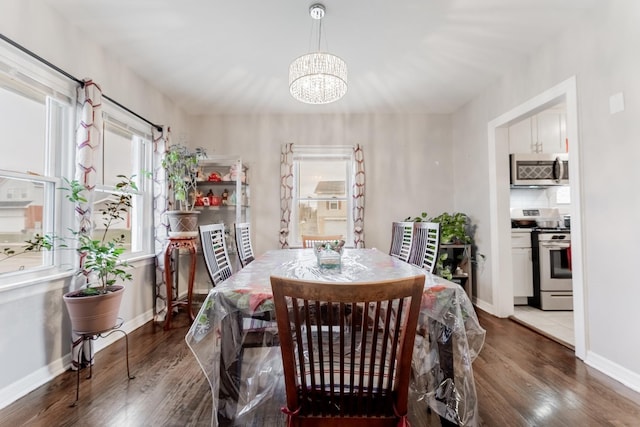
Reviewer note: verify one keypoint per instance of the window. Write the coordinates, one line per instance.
(322, 194)
(35, 124)
(127, 151)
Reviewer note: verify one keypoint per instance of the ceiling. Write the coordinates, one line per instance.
(403, 56)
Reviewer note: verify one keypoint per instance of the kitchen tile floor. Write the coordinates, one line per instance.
(557, 325)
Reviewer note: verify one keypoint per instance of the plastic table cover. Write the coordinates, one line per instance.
(449, 336)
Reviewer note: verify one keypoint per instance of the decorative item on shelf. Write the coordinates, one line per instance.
(214, 177)
(225, 197)
(200, 174)
(329, 254)
(235, 174)
(181, 167)
(206, 201)
(199, 199)
(216, 200)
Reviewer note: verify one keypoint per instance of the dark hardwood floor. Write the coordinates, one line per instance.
(522, 379)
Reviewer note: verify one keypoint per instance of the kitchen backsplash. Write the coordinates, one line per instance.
(552, 197)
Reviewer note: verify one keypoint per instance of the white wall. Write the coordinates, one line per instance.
(602, 54)
(408, 163)
(35, 338)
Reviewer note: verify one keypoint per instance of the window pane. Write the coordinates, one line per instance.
(322, 178)
(23, 124)
(22, 208)
(315, 218)
(118, 227)
(119, 156)
(322, 191)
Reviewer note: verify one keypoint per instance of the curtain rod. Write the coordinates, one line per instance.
(75, 79)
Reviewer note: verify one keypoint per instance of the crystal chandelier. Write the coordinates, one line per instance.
(318, 77)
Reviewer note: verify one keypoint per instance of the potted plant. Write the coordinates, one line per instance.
(454, 229)
(181, 168)
(95, 307)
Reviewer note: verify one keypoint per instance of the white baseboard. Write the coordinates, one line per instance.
(26, 385)
(619, 373)
(484, 306)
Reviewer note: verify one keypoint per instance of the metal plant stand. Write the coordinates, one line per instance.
(92, 336)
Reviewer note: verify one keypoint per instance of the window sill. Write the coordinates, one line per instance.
(24, 282)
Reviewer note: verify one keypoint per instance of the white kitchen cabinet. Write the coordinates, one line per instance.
(522, 267)
(520, 137)
(550, 132)
(543, 133)
(522, 272)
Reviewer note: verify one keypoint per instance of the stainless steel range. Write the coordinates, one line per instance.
(551, 257)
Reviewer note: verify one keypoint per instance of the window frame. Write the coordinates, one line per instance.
(27, 77)
(142, 228)
(322, 153)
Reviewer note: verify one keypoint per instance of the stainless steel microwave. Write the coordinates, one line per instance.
(541, 169)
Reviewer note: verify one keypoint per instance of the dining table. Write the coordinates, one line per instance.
(242, 380)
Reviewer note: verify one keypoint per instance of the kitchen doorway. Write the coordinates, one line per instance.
(498, 148)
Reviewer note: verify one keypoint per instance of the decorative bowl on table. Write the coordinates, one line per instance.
(329, 254)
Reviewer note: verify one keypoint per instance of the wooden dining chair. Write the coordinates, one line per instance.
(401, 240)
(347, 349)
(426, 243)
(243, 243)
(214, 251)
(308, 240)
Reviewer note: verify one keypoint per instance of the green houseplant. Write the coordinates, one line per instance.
(454, 229)
(181, 166)
(93, 308)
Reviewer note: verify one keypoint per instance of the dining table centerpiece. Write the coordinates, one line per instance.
(329, 254)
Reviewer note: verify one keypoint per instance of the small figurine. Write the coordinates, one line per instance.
(225, 197)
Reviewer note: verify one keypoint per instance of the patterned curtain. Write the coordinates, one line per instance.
(358, 197)
(286, 192)
(88, 140)
(160, 222)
